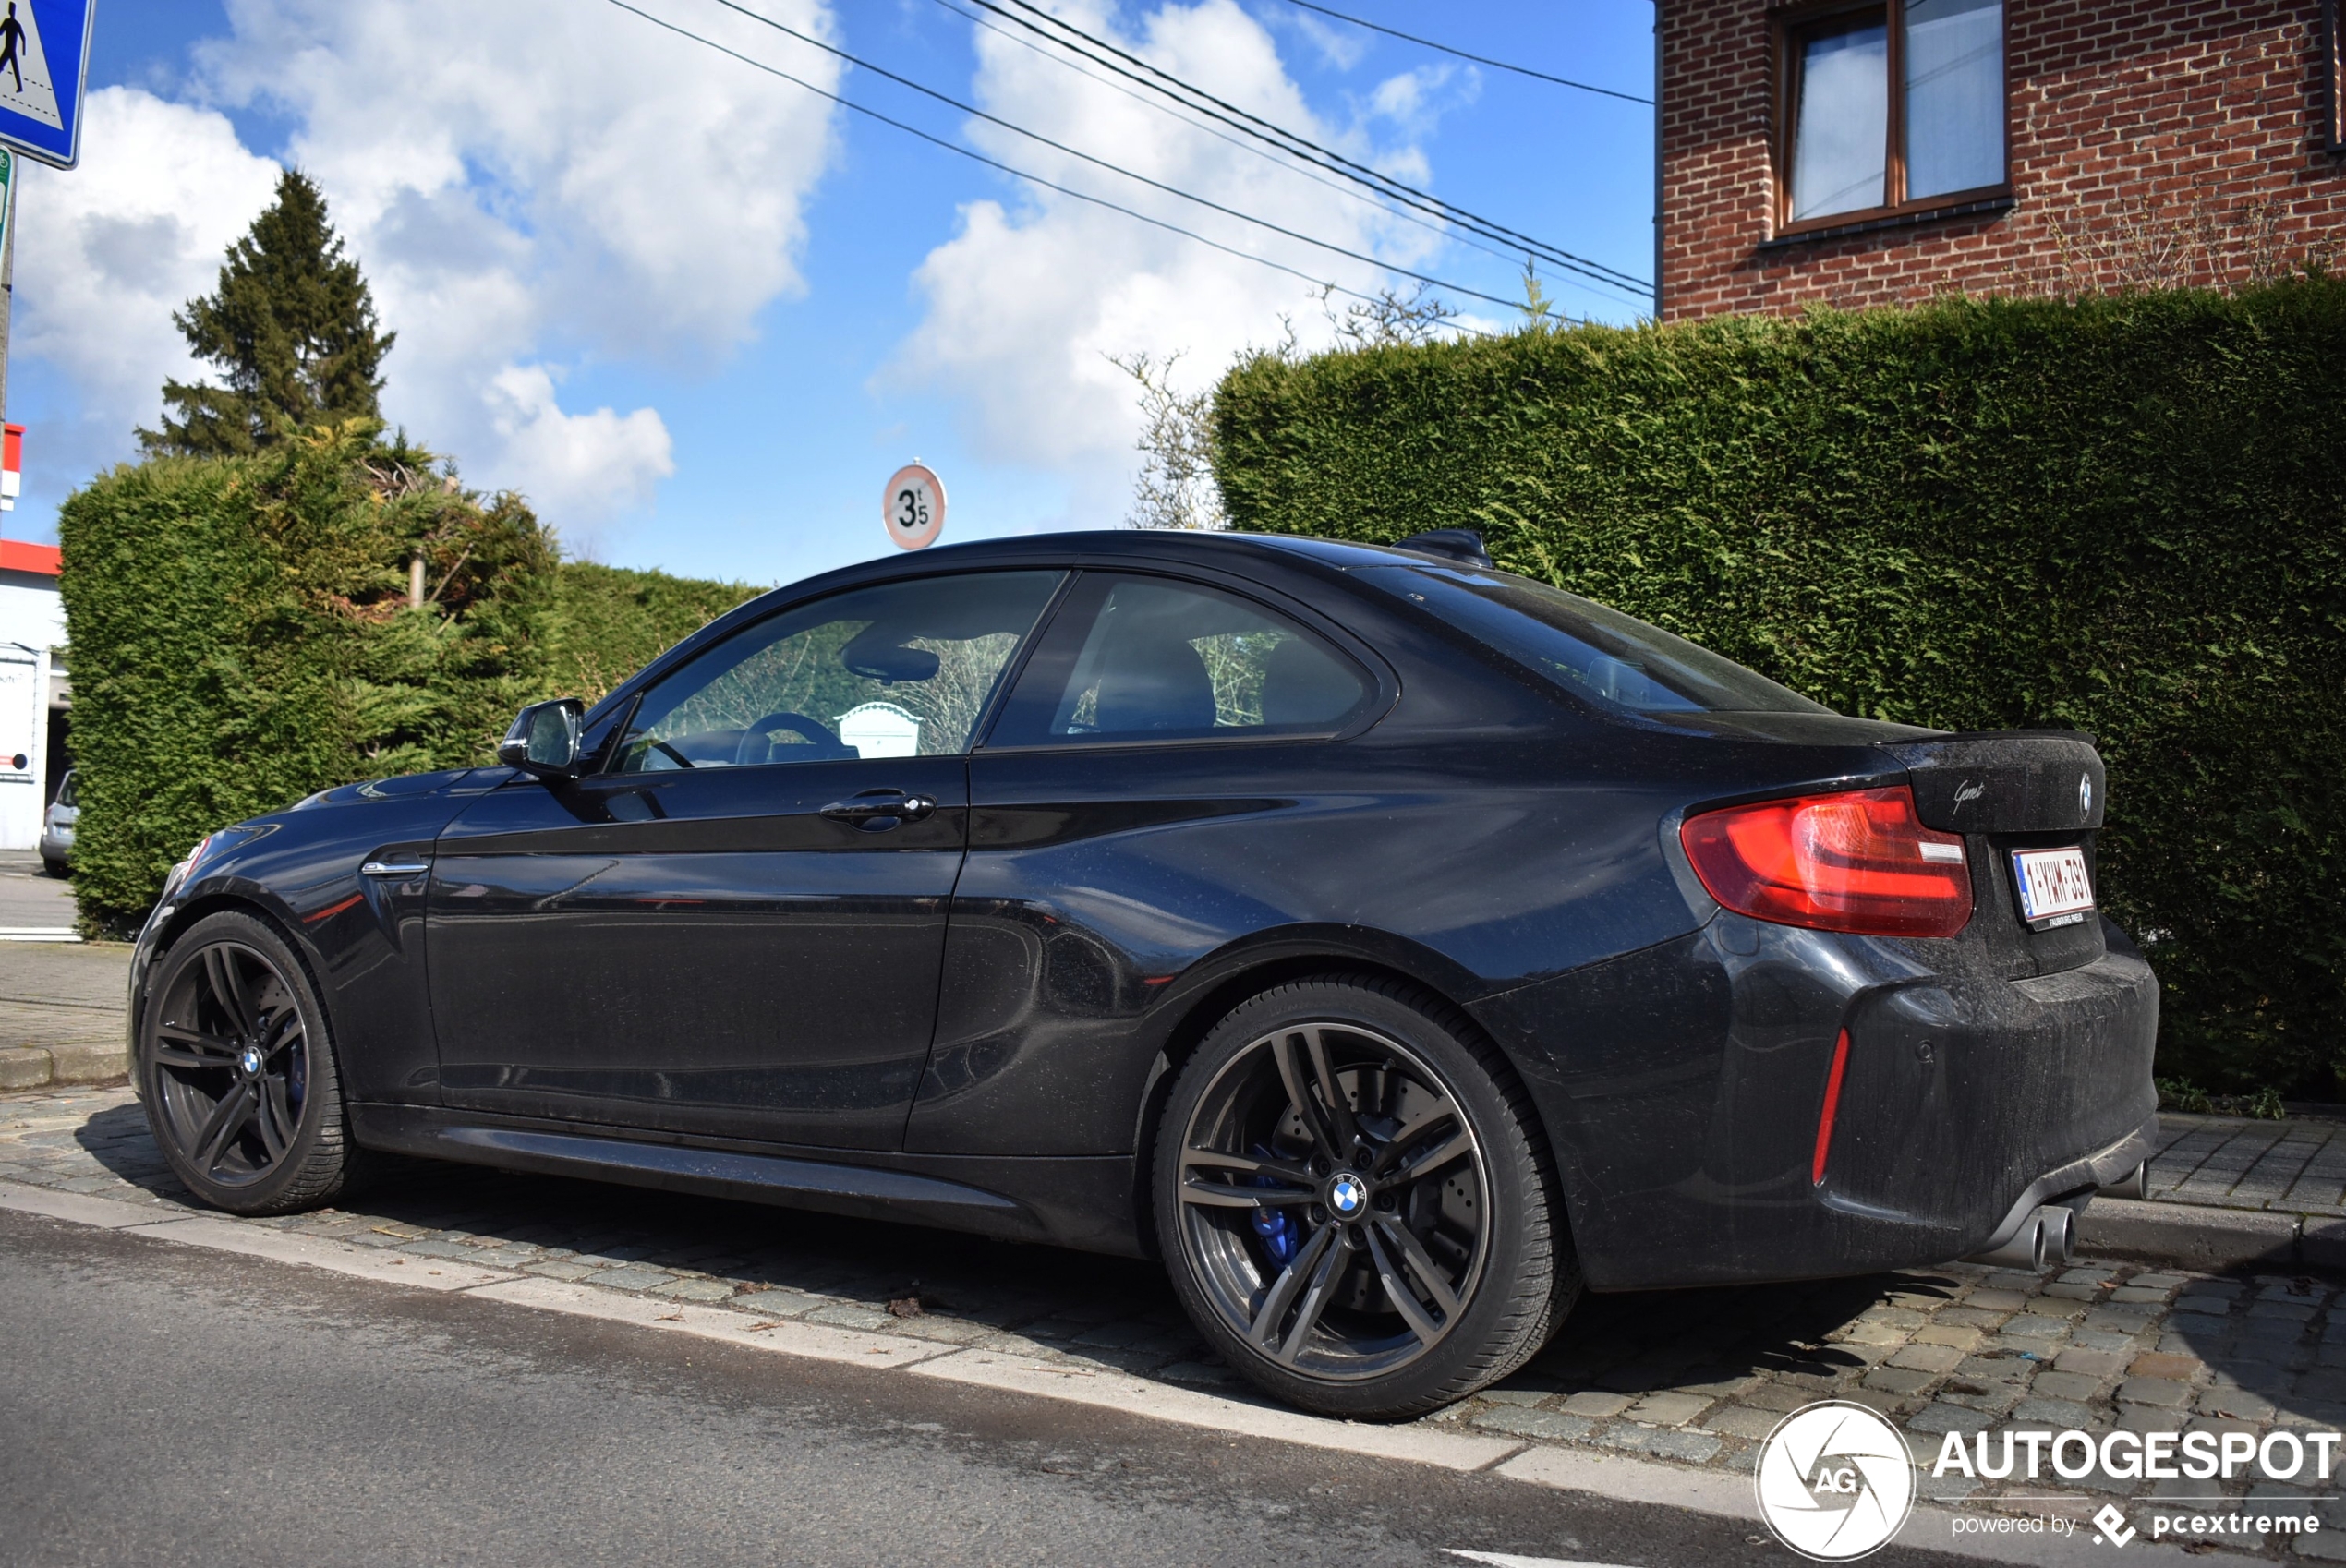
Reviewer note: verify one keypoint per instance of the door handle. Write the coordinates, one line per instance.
(873, 806)
(392, 868)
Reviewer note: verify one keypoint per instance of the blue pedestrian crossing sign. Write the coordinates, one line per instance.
(44, 57)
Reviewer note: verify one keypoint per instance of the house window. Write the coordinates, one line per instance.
(1891, 106)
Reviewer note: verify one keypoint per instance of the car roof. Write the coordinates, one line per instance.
(1074, 547)
(1197, 544)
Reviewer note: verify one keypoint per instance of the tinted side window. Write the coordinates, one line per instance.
(1586, 648)
(902, 669)
(1145, 657)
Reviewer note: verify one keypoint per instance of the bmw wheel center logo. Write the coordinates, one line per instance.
(1346, 1194)
(1835, 1482)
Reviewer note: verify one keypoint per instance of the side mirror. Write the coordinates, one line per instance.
(544, 738)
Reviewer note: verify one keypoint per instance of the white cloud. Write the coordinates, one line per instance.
(1027, 301)
(107, 252)
(586, 464)
(530, 182)
(528, 185)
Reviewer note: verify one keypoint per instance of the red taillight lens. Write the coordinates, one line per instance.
(1860, 860)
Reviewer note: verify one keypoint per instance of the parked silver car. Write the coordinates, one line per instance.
(56, 828)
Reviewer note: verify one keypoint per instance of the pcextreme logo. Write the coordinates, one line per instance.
(1834, 1482)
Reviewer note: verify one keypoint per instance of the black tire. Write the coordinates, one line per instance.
(231, 1015)
(57, 869)
(1288, 1251)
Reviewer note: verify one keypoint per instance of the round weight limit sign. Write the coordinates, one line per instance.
(914, 507)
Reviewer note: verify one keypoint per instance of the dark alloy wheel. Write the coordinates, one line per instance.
(237, 1071)
(1351, 1204)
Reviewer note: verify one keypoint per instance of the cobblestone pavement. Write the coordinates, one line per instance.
(1691, 1377)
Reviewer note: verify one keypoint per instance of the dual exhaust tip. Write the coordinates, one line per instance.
(2047, 1237)
(2050, 1235)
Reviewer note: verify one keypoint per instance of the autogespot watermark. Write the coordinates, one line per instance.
(1836, 1482)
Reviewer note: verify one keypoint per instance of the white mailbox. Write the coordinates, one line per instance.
(880, 729)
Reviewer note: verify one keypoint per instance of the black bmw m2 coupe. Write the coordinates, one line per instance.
(1395, 946)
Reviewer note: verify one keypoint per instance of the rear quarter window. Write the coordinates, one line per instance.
(1586, 648)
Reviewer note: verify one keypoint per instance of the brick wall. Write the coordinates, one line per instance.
(2153, 142)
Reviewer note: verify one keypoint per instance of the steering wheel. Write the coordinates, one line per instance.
(822, 744)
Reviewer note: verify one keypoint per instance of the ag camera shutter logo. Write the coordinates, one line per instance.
(1835, 1482)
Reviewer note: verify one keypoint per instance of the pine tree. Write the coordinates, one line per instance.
(293, 329)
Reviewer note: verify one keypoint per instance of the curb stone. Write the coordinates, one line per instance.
(39, 1066)
(2200, 1237)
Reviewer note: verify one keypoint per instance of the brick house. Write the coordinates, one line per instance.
(1858, 153)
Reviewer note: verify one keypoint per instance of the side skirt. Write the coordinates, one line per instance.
(1083, 1203)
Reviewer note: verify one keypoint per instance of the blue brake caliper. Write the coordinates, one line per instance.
(1276, 1227)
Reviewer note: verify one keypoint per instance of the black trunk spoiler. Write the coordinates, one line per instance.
(2006, 780)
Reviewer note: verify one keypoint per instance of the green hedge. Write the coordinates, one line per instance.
(609, 622)
(241, 637)
(2127, 515)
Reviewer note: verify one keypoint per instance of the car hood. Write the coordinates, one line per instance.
(405, 786)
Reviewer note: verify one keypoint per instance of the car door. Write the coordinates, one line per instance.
(734, 927)
(1161, 781)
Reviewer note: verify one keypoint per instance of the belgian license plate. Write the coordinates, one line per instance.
(2054, 889)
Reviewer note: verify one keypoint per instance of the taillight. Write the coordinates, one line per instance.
(1859, 861)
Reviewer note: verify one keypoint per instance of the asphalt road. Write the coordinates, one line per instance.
(161, 1404)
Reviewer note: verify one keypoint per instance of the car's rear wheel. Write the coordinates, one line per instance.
(1354, 1203)
(237, 1068)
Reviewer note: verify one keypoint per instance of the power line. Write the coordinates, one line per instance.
(1175, 191)
(1064, 190)
(1288, 141)
(1478, 59)
(1350, 191)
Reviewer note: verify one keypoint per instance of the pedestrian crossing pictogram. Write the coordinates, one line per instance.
(44, 59)
(25, 83)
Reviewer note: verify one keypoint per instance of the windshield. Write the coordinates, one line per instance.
(1586, 648)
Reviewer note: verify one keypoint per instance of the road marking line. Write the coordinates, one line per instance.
(819, 1342)
(1111, 1389)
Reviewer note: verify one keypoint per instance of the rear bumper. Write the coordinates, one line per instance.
(2077, 1180)
(1682, 1087)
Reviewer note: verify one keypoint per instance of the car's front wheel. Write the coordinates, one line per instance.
(236, 1070)
(1353, 1202)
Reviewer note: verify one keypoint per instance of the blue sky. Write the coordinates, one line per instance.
(699, 316)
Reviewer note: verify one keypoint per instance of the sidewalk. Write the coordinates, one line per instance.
(2226, 1191)
(61, 1001)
